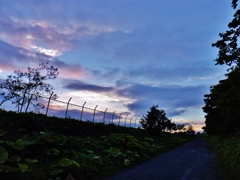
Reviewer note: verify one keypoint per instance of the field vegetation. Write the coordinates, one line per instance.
(227, 150)
(34, 146)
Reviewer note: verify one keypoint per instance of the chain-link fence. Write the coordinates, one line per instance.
(70, 107)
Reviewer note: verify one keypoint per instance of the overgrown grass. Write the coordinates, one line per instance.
(39, 147)
(227, 150)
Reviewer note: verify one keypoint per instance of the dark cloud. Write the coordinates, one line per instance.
(140, 108)
(8, 53)
(136, 106)
(177, 112)
(79, 85)
(167, 97)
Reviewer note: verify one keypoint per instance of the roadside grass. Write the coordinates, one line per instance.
(34, 146)
(227, 150)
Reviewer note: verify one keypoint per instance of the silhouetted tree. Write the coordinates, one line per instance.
(24, 88)
(190, 130)
(173, 127)
(229, 52)
(222, 105)
(180, 127)
(156, 121)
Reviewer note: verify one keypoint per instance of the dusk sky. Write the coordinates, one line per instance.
(126, 55)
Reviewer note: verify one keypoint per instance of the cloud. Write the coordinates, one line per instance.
(140, 108)
(177, 112)
(79, 85)
(159, 93)
(176, 100)
(158, 52)
(48, 52)
(165, 74)
(66, 70)
(14, 58)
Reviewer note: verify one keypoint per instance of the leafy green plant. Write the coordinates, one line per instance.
(15, 158)
(31, 161)
(127, 162)
(23, 167)
(19, 144)
(3, 155)
(68, 162)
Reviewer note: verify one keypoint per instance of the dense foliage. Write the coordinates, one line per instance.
(222, 105)
(227, 151)
(34, 146)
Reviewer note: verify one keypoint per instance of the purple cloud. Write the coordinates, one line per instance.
(79, 85)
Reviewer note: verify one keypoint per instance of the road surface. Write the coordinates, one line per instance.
(191, 161)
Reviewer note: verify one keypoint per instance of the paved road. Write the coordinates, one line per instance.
(191, 161)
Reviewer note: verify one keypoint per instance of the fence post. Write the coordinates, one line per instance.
(82, 111)
(113, 115)
(49, 103)
(94, 112)
(67, 107)
(119, 119)
(131, 121)
(126, 120)
(104, 116)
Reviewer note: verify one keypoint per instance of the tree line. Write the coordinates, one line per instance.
(222, 104)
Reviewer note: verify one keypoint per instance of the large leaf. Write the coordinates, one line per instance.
(31, 161)
(68, 162)
(23, 167)
(31, 139)
(9, 143)
(47, 137)
(56, 172)
(127, 162)
(65, 162)
(55, 151)
(3, 155)
(19, 144)
(15, 158)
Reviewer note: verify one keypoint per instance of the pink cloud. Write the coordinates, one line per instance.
(73, 72)
(28, 34)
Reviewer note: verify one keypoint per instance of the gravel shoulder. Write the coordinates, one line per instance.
(191, 161)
